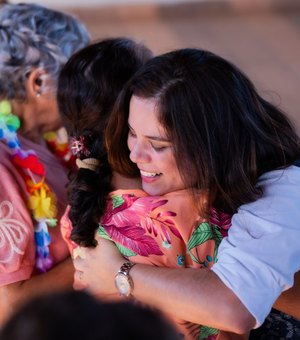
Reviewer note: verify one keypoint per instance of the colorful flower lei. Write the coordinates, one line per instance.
(42, 201)
(58, 145)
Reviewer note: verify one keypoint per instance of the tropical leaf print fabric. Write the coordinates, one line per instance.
(165, 231)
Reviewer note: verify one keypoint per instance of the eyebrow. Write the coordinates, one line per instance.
(156, 138)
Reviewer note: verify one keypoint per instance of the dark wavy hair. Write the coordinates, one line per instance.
(224, 134)
(88, 87)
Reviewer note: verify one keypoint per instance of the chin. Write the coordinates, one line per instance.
(153, 192)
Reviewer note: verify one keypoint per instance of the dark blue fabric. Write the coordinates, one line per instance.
(278, 326)
(297, 162)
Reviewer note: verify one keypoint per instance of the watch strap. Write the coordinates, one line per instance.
(124, 272)
(125, 268)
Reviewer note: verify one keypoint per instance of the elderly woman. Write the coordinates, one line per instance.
(35, 42)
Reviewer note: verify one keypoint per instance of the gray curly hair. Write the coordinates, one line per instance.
(33, 36)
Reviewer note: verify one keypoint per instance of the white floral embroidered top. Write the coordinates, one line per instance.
(17, 247)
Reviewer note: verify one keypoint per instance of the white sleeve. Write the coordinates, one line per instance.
(261, 254)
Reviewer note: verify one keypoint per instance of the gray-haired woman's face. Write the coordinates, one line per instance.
(46, 107)
(39, 111)
(48, 113)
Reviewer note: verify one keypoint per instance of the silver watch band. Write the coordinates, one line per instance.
(125, 268)
(123, 280)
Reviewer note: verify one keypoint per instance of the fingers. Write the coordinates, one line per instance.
(79, 283)
(78, 276)
(79, 264)
(78, 256)
(79, 252)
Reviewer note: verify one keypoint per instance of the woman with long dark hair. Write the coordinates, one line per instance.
(243, 152)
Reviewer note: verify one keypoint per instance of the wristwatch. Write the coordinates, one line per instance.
(123, 281)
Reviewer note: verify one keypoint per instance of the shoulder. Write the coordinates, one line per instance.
(271, 222)
(285, 178)
(261, 253)
(12, 183)
(177, 200)
(130, 192)
(4, 153)
(281, 195)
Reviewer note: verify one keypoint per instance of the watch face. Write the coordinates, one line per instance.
(123, 284)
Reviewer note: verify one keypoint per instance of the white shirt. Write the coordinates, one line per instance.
(261, 254)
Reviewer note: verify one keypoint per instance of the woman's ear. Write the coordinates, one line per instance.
(35, 83)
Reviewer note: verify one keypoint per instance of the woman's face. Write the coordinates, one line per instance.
(47, 112)
(52, 119)
(40, 110)
(151, 150)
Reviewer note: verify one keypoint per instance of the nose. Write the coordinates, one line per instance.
(138, 153)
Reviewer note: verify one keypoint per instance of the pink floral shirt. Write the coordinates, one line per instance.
(165, 231)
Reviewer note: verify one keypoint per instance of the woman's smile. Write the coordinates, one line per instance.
(151, 149)
(149, 177)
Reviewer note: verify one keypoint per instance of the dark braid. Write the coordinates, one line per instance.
(87, 192)
(88, 87)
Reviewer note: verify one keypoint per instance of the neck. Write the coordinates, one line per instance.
(29, 124)
(121, 182)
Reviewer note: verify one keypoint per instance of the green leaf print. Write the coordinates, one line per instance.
(123, 250)
(218, 239)
(117, 201)
(206, 332)
(200, 235)
(203, 233)
(102, 233)
(217, 235)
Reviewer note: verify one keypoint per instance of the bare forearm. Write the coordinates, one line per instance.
(15, 294)
(194, 295)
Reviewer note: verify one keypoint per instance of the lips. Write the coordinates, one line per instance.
(149, 174)
(149, 177)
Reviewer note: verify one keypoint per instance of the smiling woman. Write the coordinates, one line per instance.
(151, 150)
(234, 152)
(162, 230)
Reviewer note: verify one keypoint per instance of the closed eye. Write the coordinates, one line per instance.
(159, 148)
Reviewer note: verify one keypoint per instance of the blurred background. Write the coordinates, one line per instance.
(261, 36)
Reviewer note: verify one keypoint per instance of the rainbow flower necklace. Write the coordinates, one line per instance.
(41, 200)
